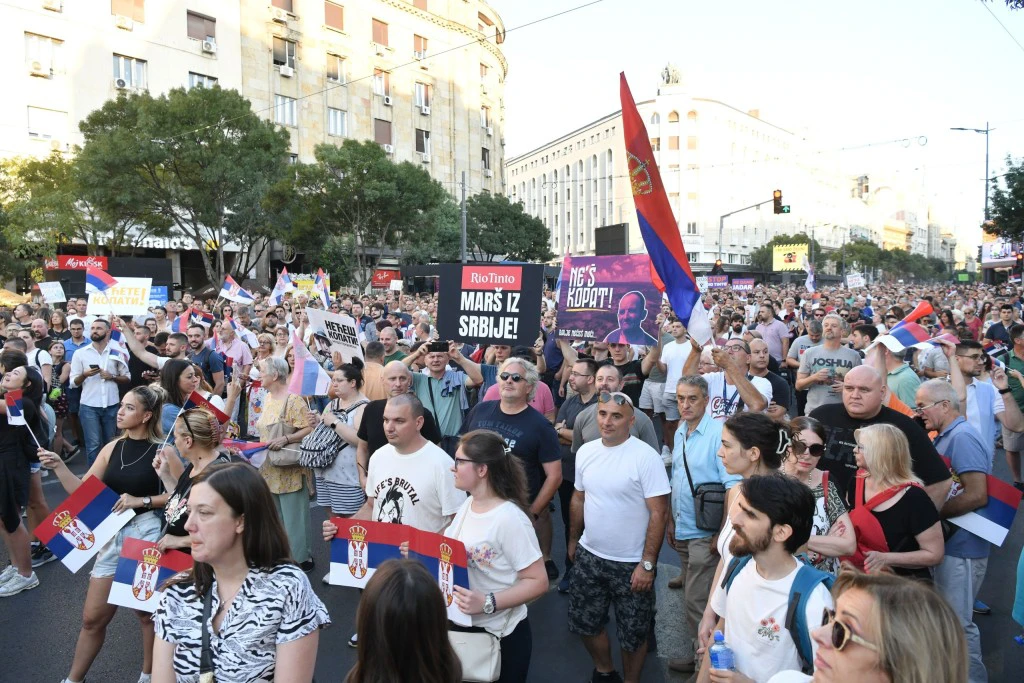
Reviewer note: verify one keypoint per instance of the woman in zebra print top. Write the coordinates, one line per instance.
(264, 616)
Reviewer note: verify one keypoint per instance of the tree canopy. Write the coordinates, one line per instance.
(497, 228)
(1007, 202)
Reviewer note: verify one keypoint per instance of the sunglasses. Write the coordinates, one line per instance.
(617, 399)
(815, 449)
(841, 633)
(514, 376)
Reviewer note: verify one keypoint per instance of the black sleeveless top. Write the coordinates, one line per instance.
(130, 469)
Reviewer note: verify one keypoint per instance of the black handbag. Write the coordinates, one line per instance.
(205, 655)
(708, 500)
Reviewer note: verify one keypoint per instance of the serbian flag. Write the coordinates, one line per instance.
(196, 401)
(657, 224)
(232, 291)
(992, 521)
(360, 546)
(82, 524)
(141, 570)
(320, 287)
(245, 335)
(308, 378)
(202, 317)
(910, 334)
(445, 559)
(97, 281)
(117, 345)
(15, 411)
(809, 269)
(253, 452)
(287, 280)
(922, 309)
(181, 323)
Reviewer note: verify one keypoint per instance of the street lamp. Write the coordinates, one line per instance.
(986, 130)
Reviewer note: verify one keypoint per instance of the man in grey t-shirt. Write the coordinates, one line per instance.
(822, 368)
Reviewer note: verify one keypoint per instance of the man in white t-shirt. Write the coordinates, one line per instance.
(618, 515)
(673, 358)
(772, 518)
(734, 389)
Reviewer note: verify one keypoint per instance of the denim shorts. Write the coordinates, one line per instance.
(145, 526)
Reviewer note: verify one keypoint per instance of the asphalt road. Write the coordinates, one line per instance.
(40, 626)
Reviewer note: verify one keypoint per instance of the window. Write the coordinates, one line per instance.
(655, 119)
(380, 32)
(422, 95)
(483, 70)
(284, 52)
(293, 159)
(334, 15)
(336, 69)
(381, 82)
(673, 117)
(382, 132)
(420, 4)
(673, 142)
(423, 141)
(201, 27)
(655, 144)
(284, 110)
(44, 52)
(286, 5)
(132, 70)
(692, 116)
(419, 46)
(485, 116)
(485, 158)
(133, 9)
(200, 81)
(47, 124)
(337, 122)
(691, 228)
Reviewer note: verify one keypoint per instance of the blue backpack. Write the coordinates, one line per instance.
(807, 579)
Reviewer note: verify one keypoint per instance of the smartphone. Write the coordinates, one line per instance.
(95, 367)
(437, 347)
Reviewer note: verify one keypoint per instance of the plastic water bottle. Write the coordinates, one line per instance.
(721, 654)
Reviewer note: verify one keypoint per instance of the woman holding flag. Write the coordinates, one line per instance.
(179, 378)
(124, 465)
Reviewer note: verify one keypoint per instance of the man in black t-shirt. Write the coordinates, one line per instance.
(397, 379)
(863, 392)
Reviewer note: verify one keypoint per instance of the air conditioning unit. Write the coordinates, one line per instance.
(378, 49)
(124, 22)
(490, 131)
(389, 149)
(425, 110)
(52, 5)
(387, 100)
(120, 83)
(209, 47)
(286, 71)
(488, 173)
(39, 69)
(279, 15)
(425, 157)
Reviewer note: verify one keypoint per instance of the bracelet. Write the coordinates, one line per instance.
(1007, 390)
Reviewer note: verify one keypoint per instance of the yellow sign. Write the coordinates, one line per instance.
(789, 256)
(130, 296)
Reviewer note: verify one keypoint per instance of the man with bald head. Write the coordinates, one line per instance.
(864, 392)
(632, 312)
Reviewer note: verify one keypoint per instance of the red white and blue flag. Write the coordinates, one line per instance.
(445, 559)
(141, 570)
(320, 287)
(201, 317)
(97, 281)
(196, 401)
(308, 378)
(993, 520)
(81, 525)
(117, 346)
(658, 226)
(253, 452)
(244, 334)
(232, 291)
(181, 323)
(15, 410)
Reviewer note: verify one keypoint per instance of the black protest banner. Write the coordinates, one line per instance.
(497, 304)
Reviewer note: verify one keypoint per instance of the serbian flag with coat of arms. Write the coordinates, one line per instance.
(195, 400)
(82, 524)
(320, 287)
(445, 559)
(253, 452)
(360, 546)
(232, 291)
(181, 323)
(98, 281)
(141, 570)
(658, 226)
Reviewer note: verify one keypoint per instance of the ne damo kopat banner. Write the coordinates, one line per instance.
(491, 304)
(608, 298)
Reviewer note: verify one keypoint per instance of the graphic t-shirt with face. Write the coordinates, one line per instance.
(417, 489)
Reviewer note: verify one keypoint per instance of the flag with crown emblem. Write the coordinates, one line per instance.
(141, 571)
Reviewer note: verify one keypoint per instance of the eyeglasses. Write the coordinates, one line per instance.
(514, 376)
(579, 374)
(921, 409)
(973, 356)
(815, 449)
(459, 461)
(841, 633)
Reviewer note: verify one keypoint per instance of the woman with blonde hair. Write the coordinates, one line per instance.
(896, 524)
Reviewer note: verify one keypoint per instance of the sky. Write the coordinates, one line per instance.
(879, 81)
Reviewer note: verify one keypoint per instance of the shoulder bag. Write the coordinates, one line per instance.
(321, 446)
(205, 655)
(284, 457)
(708, 500)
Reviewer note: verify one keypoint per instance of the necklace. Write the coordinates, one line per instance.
(121, 454)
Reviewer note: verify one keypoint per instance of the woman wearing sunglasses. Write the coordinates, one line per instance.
(885, 629)
(832, 534)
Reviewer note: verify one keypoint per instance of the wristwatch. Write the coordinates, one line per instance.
(147, 502)
(1007, 390)
(648, 567)
(489, 604)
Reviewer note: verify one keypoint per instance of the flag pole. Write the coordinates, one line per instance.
(33, 435)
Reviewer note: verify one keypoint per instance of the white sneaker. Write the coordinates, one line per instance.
(18, 584)
(666, 456)
(145, 678)
(7, 574)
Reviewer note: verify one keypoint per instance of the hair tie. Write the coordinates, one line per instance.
(508, 451)
(784, 442)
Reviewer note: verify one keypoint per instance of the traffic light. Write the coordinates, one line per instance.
(778, 205)
(717, 270)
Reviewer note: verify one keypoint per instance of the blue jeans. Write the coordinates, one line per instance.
(99, 425)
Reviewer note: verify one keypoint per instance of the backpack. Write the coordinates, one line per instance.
(806, 580)
(321, 447)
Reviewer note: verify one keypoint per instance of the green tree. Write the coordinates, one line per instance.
(439, 240)
(761, 258)
(207, 179)
(1008, 204)
(861, 255)
(497, 228)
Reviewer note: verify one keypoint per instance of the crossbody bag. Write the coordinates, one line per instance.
(708, 500)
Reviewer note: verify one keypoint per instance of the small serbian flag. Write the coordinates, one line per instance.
(196, 401)
(320, 287)
(993, 520)
(232, 291)
(360, 546)
(910, 334)
(15, 412)
(308, 378)
(180, 324)
(140, 572)
(253, 452)
(82, 524)
(245, 335)
(202, 317)
(117, 346)
(445, 559)
(97, 281)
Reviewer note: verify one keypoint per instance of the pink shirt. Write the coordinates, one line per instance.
(542, 399)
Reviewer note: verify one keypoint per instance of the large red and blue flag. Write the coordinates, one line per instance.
(658, 226)
(97, 281)
(232, 291)
(360, 546)
(910, 334)
(308, 378)
(141, 570)
(195, 400)
(993, 520)
(181, 323)
(81, 525)
(15, 408)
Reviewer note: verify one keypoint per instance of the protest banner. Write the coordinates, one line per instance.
(52, 292)
(306, 282)
(718, 281)
(130, 296)
(743, 284)
(609, 298)
(702, 283)
(335, 332)
(497, 304)
(789, 256)
(855, 280)
(141, 571)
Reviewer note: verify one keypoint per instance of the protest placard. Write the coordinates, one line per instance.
(497, 304)
(718, 281)
(789, 256)
(52, 292)
(855, 280)
(334, 332)
(609, 298)
(130, 296)
(743, 284)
